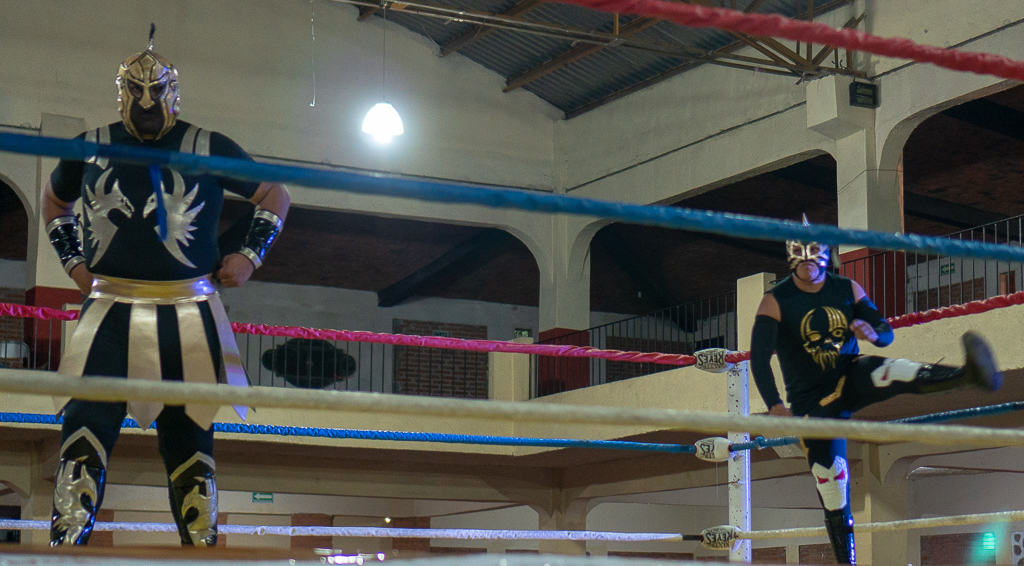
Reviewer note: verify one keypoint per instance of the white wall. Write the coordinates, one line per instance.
(246, 69)
(12, 274)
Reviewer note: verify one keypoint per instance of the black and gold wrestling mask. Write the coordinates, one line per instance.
(798, 252)
(147, 94)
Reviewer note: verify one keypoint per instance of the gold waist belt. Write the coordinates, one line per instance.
(152, 292)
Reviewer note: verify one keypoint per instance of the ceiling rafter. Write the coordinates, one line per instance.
(761, 44)
(774, 57)
(754, 6)
(480, 31)
(828, 49)
(365, 12)
(603, 39)
(574, 54)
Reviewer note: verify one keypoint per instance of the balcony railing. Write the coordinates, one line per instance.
(898, 282)
(294, 362)
(904, 282)
(683, 329)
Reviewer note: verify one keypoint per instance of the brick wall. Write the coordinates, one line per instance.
(438, 372)
(960, 548)
(12, 329)
(456, 550)
(653, 555)
(222, 538)
(312, 520)
(817, 554)
(769, 555)
(103, 538)
(410, 545)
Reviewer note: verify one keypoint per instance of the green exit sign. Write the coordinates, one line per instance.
(262, 497)
(947, 268)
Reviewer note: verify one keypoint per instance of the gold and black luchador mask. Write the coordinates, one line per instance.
(147, 95)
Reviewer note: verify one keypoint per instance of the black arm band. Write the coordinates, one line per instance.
(264, 230)
(866, 310)
(762, 346)
(63, 232)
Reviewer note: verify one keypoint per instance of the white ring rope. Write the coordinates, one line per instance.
(887, 526)
(177, 393)
(368, 532)
(508, 534)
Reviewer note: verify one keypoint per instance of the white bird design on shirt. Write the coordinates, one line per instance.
(97, 207)
(179, 216)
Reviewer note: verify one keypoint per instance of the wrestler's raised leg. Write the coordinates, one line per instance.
(878, 378)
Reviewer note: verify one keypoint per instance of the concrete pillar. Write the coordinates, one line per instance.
(565, 301)
(508, 375)
(565, 274)
(792, 553)
(869, 197)
(875, 497)
(565, 513)
(749, 292)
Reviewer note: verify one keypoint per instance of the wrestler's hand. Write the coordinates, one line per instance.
(82, 277)
(779, 410)
(863, 330)
(235, 270)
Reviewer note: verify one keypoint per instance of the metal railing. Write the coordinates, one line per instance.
(898, 282)
(905, 282)
(682, 329)
(294, 362)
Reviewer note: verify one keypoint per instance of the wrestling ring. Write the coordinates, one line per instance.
(725, 446)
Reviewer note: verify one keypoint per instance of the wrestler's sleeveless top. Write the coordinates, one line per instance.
(815, 341)
(121, 208)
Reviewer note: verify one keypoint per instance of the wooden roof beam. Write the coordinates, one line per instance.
(573, 55)
(478, 31)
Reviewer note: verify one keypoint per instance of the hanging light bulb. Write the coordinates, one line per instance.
(382, 122)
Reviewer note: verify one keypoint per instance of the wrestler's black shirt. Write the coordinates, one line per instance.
(119, 223)
(815, 341)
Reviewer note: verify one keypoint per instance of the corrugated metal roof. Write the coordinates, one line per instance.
(596, 78)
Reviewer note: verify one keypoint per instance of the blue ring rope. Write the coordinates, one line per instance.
(757, 443)
(735, 225)
(943, 416)
(235, 428)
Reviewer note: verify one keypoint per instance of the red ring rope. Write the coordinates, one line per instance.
(815, 32)
(556, 350)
